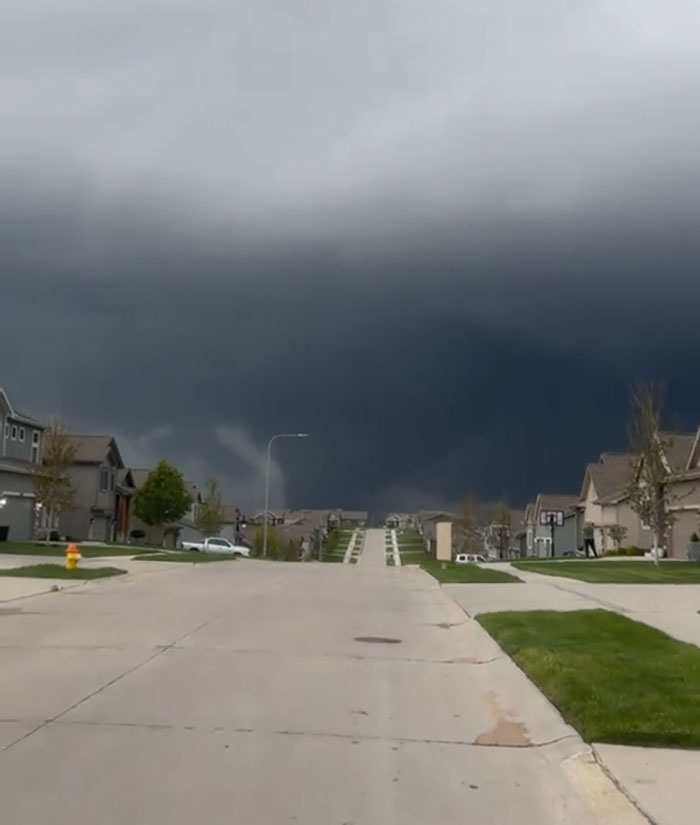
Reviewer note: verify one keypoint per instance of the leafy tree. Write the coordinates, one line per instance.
(648, 488)
(618, 533)
(163, 497)
(210, 514)
(501, 521)
(52, 483)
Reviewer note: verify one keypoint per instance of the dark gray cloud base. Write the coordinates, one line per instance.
(448, 274)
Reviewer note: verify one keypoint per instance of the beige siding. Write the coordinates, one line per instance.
(636, 536)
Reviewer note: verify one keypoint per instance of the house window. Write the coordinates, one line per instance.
(14, 432)
(22, 434)
(7, 429)
(112, 480)
(35, 453)
(104, 479)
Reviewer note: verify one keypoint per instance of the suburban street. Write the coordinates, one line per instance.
(258, 692)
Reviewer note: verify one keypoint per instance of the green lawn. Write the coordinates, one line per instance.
(615, 680)
(185, 556)
(461, 573)
(57, 571)
(17, 548)
(618, 572)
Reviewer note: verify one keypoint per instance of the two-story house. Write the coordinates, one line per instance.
(97, 476)
(21, 444)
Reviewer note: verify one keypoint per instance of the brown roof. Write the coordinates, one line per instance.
(139, 477)
(677, 450)
(611, 475)
(545, 501)
(354, 515)
(93, 449)
(230, 513)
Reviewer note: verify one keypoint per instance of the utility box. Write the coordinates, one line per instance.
(443, 533)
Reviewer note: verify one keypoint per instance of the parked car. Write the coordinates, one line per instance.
(216, 545)
(470, 558)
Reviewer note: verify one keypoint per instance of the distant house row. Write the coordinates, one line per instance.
(299, 526)
(105, 487)
(555, 525)
(604, 504)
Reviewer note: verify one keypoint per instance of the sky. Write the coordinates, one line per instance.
(442, 238)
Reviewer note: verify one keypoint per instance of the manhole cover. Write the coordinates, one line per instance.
(378, 640)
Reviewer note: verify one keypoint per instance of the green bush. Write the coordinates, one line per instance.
(626, 551)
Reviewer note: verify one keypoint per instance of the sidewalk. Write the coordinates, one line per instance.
(662, 783)
(12, 589)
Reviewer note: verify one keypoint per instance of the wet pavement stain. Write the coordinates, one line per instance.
(507, 732)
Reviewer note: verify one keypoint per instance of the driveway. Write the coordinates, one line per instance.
(268, 693)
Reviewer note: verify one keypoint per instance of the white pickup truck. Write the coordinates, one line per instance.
(216, 545)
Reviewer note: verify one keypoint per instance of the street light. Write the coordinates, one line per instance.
(267, 480)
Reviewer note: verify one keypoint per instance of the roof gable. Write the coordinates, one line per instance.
(548, 502)
(694, 454)
(94, 449)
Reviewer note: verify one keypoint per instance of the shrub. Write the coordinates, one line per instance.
(626, 551)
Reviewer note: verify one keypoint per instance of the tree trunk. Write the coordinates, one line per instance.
(655, 548)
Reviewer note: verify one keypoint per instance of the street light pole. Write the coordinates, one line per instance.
(267, 481)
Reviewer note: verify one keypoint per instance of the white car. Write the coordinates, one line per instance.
(217, 545)
(470, 558)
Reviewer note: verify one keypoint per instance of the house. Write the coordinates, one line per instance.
(427, 521)
(102, 490)
(500, 540)
(354, 518)
(604, 502)
(21, 443)
(541, 533)
(683, 460)
(232, 524)
(399, 521)
(525, 536)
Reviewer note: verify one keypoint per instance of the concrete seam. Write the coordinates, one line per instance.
(620, 787)
(107, 685)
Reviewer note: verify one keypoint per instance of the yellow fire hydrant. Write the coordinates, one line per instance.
(72, 557)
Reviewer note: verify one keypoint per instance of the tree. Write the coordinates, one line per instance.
(501, 524)
(275, 549)
(618, 533)
(52, 484)
(467, 530)
(210, 514)
(163, 497)
(648, 488)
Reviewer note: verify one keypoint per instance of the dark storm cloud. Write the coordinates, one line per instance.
(440, 239)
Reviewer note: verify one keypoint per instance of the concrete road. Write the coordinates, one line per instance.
(262, 693)
(374, 550)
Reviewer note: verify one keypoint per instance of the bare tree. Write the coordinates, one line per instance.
(52, 485)
(501, 527)
(648, 488)
(468, 533)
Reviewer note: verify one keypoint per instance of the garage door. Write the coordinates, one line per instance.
(17, 514)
